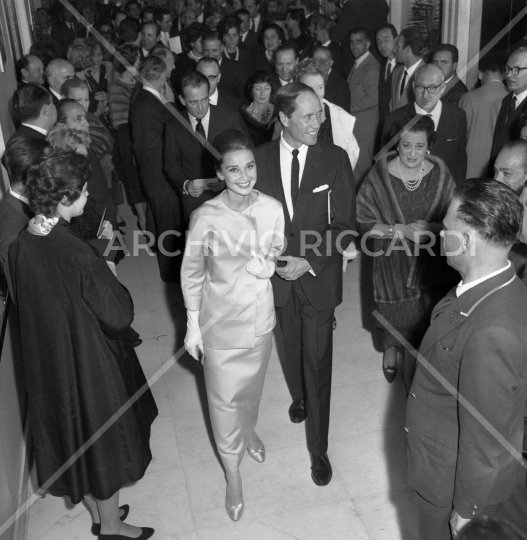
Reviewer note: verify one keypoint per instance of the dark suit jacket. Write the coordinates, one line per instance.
(64, 36)
(244, 57)
(226, 100)
(336, 53)
(14, 217)
(261, 63)
(385, 91)
(451, 139)
(233, 77)
(506, 131)
(481, 350)
(454, 90)
(327, 167)
(99, 192)
(26, 131)
(251, 41)
(338, 90)
(185, 157)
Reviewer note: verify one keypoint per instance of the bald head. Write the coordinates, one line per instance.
(428, 86)
(57, 72)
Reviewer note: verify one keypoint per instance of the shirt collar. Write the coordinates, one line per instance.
(286, 146)
(19, 197)
(435, 113)
(153, 91)
(36, 128)
(361, 59)
(283, 83)
(214, 98)
(411, 69)
(194, 120)
(449, 79)
(520, 97)
(56, 94)
(463, 288)
(327, 43)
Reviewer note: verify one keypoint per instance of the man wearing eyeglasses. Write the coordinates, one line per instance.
(210, 67)
(513, 105)
(450, 121)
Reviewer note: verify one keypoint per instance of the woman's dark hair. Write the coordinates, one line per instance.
(296, 15)
(227, 24)
(423, 124)
(277, 28)
(193, 33)
(20, 154)
(56, 176)
(258, 77)
(230, 140)
(28, 101)
(129, 29)
(130, 53)
(490, 208)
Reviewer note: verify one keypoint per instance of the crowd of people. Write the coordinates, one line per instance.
(266, 140)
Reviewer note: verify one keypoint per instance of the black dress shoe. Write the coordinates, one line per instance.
(96, 527)
(147, 533)
(136, 342)
(389, 373)
(321, 470)
(297, 411)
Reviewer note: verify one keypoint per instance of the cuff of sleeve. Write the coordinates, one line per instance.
(185, 184)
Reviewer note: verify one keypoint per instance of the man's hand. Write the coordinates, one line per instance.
(216, 186)
(457, 523)
(101, 96)
(296, 267)
(194, 191)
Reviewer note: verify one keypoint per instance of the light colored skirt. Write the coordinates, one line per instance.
(234, 379)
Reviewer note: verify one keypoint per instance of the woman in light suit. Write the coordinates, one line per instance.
(232, 246)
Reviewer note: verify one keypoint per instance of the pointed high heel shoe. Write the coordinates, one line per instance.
(257, 455)
(96, 527)
(146, 532)
(234, 512)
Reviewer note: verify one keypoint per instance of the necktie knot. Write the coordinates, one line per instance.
(295, 153)
(200, 129)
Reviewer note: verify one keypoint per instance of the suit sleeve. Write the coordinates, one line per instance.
(490, 373)
(343, 212)
(173, 156)
(370, 97)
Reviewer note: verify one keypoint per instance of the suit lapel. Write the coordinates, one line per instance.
(310, 177)
(275, 177)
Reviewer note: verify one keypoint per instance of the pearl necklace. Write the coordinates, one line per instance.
(411, 185)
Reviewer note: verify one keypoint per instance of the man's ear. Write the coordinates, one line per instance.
(283, 119)
(182, 100)
(218, 78)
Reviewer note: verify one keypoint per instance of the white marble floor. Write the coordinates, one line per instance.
(182, 493)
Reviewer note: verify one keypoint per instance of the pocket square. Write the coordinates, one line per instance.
(454, 139)
(320, 188)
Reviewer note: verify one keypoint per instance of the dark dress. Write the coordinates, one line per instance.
(258, 132)
(80, 366)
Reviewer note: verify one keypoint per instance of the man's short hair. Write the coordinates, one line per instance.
(19, 154)
(119, 12)
(22, 63)
(211, 36)
(152, 68)
(286, 47)
(129, 29)
(297, 15)
(152, 23)
(493, 62)
(387, 26)
(325, 49)
(72, 84)
(28, 101)
(446, 47)
(149, 9)
(325, 23)
(519, 146)
(161, 52)
(160, 13)
(194, 80)
(361, 30)
(286, 96)
(490, 208)
(414, 39)
(208, 60)
(239, 12)
(310, 5)
(62, 109)
(195, 31)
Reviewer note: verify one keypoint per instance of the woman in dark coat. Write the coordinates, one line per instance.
(81, 369)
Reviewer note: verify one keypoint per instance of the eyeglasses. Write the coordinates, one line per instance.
(420, 89)
(514, 70)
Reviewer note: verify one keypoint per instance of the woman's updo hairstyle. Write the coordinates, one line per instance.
(230, 140)
(56, 177)
(424, 124)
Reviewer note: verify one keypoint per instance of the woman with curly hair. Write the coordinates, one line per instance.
(89, 439)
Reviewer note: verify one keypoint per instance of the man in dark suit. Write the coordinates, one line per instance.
(188, 164)
(210, 67)
(232, 75)
(507, 125)
(67, 31)
(58, 71)
(248, 37)
(29, 68)
(337, 88)
(369, 14)
(35, 110)
(450, 121)
(323, 34)
(14, 207)
(150, 32)
(385, 37)
(149, 117)
(446, 56)
(464, 417)
(257, 19)
(312, 179)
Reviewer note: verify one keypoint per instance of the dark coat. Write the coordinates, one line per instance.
(261, 63)
(451, 140)
(385, 91)
(226, 100)
(64, 36)
(26, 131)
(506, 130)
(326, 165)
(80, 365)
(233, 77)
(251, 41)
(338, 91)
(99, 192)
(454, 90)
(183, 65)
(478, 343)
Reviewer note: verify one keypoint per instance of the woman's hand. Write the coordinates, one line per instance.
(107, 230)
(193, 339)
(102, 108)
(420, 231)
(260, 267)
(101, 96)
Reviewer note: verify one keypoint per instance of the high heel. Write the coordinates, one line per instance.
(257, 455)
(234, 512)
(96, 527)
(146, 532)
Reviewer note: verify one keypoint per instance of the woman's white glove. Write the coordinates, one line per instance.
(193, 339)
(260, 267)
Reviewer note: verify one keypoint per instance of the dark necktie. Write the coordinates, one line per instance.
(389, 69)
(403, 83)
(252, 24)
(295, 176)
(512, 108)
(200, 129)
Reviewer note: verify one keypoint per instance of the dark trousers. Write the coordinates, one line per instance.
(132, 184)
(308, 347)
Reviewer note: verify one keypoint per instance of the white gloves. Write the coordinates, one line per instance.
(348, 255)
(193, 339)
(260, 267)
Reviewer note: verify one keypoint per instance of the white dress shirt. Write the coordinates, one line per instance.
(164, 37)
(463, 288)
(243, 36)
(19, 197)
(286, 159)
(56, 94)
(256, 23)
(360, 59)
(283, 83)
(145, 52)
(520, 97)
(392, 64)
(36, 128)
(213, 100)
(204, 122)
(410, 72)
(435, 114)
